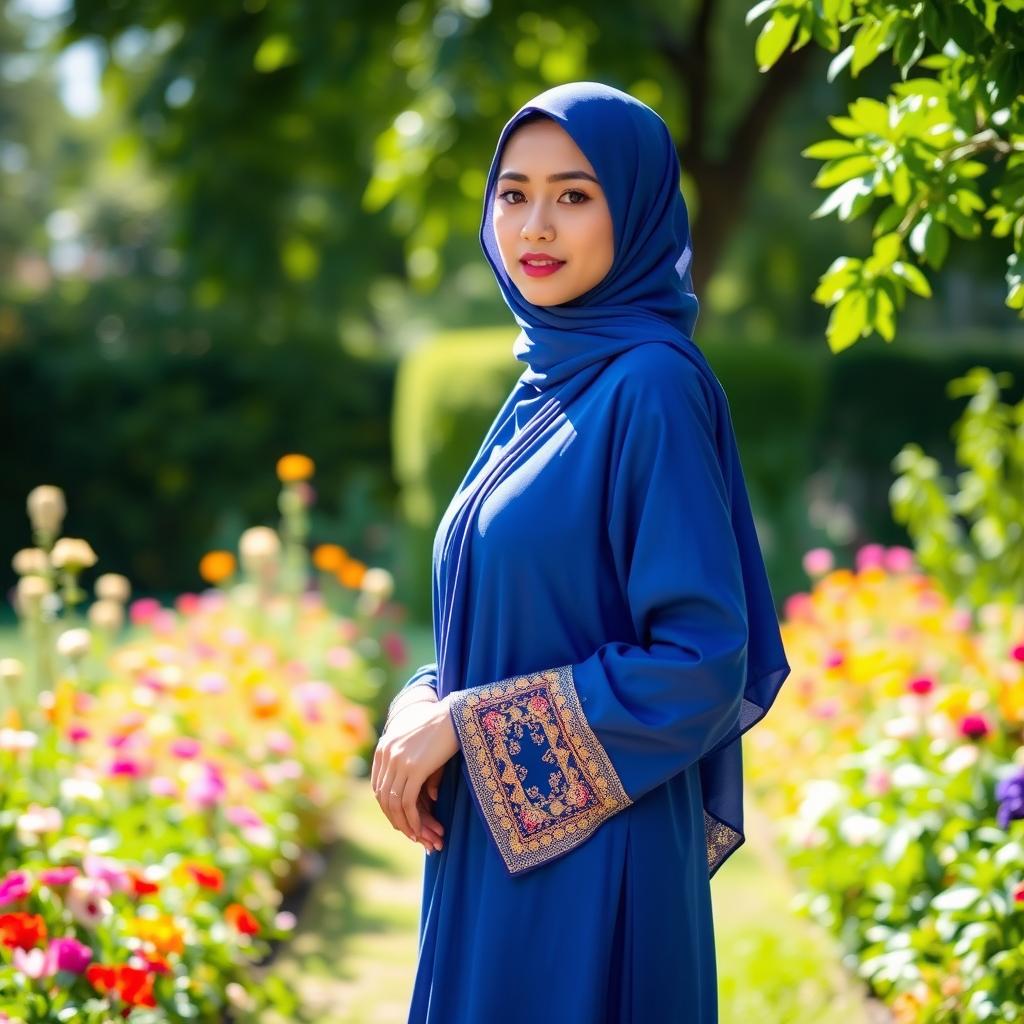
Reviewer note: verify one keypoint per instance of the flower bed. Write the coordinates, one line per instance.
(160, 794)
(893, 761)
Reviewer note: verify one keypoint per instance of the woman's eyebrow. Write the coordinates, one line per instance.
(560, 176)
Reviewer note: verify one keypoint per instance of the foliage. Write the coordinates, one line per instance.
(894, 761)
(943, 152)
(158, 795)
(985, 561)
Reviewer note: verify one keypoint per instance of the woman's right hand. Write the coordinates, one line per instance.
(430, 831)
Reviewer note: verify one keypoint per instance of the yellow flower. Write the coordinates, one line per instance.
(292, 468)
(217, 566)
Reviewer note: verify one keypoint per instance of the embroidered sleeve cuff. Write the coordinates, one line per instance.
(540, 776)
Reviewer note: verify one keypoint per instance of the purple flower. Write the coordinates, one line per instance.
(1010, 794)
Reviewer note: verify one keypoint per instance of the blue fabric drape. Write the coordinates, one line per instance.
(605, 625)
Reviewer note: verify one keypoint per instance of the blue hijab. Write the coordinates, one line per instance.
(646, 297)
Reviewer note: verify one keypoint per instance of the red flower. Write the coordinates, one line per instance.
(21, 930)
(921, 685)
(132, 985)
(582, 795)
(140, 885)
(1018, 892)
(538, 704)
(207, 875)
(241, 920)
(492, 721)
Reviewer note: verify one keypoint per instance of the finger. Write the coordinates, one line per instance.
(393, 790)
(430, 828)
(410, 801)
(375, 768)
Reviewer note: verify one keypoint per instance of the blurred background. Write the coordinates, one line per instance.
(239, 257)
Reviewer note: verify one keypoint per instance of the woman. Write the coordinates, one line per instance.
(603, 623)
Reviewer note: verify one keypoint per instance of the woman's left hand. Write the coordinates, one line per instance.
(419, 740)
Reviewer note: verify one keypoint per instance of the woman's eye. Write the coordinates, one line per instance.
(569, 192)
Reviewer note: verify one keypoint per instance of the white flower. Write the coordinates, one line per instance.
(902, 727)
(74, 643)
(858, 829)
(820, 796)
(81, 789)
(960, 758)
(17, 739)
(908, 775)
(72, 553)
(46, 508)
(112, 586)
(378, 582)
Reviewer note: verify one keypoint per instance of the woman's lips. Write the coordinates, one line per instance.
(545, 271)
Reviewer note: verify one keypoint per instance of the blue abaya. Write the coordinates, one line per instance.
(605, 630)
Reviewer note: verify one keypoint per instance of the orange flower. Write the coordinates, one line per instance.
(12, 718)
(351, 573)
(329, 557)
(162, 933)
(21, 930)
(265, 702)
(217, 566)
(241, 920)
(292, 468)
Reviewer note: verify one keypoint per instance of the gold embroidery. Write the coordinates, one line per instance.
(721, 841)
(543, 780)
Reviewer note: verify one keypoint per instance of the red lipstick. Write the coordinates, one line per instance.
(540, 268)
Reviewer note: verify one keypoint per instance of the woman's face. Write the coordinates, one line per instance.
(566, 219)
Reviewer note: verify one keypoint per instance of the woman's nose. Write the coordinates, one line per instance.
(538, 223)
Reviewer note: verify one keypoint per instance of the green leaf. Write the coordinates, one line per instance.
(830, 149)
(848, 321)
(774, 38)
(913, 278)
(837, 171)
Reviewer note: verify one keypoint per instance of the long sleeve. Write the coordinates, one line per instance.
(555, 752)
(420, 685)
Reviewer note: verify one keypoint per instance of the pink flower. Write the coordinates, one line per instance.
(279, 742)
(67, 954)
(582, 795)
(77, 733)
(87, 902)
(108, 871)
(394, 647)
(243, 817)
(529, 820)
(899, 559)
(254, 780)
(206, 790)
(1018, 893)
(798, 606)
(31, 962)
(1017, 652)
(492, 721)
(826, 709)
(187, 604)
(974, 726)
(340, 657)
(834, 659)
(538, 704)
(142, 610)
(818, 562)
(879, 782)
(870, 556)
(161, 785)
(14, 886)
(37, 820)
(63, 875)
(921, 685)
(186, 747)
(125, 766)
(212, 682)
